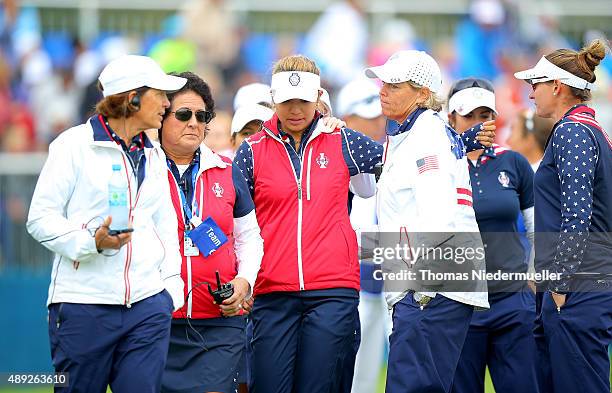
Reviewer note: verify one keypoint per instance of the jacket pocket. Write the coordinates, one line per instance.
(351, 246)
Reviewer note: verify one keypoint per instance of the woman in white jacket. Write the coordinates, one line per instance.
(111, 294)
(424, 195)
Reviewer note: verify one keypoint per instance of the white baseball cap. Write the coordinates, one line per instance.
(248, 113)
(301, 85)
(131, 72)
(409, 65)
(466, 100)
(545, 71)
(359, 97)
(253, 93)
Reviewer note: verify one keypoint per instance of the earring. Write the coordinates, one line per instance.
(554, 93)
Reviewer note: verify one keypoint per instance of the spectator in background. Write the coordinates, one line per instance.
(324, 104)
(219, 138)
(393, 36)
(480, 39)
(338, 42)
(213, 28)
(253, 93)
(6, 95)
(247, 121)
(529, 134)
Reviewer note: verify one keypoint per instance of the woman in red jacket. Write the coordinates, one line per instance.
(298, 172)
(218, 234)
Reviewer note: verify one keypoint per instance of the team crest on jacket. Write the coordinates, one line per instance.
(218, 190)
(322, 160)
(504, 180)
(294, 79)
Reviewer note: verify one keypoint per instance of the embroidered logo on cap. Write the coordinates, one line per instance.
(294, 79)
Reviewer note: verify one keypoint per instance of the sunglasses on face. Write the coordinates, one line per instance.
(184, 114)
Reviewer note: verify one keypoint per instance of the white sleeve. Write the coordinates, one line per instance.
(363, 185)
(165, 227)
(528, 218)
(248, 247)
(435, 193)
(47, 218)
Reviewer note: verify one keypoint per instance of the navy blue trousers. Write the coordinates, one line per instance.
(502, 339)
(544, 374)
(244, 366)
(301, 341)
(578, 336)
(101, 345)
(425, 345)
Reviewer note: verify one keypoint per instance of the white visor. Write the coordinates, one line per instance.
(466, 100)
(295, 85)
(247, 113)
(545, 71)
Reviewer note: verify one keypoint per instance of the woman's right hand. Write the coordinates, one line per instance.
(486, 136)
(105, 241)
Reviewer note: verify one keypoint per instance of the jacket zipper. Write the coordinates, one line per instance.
(189, 288)
(190, 294)
(128, 256)
(298, 181)
(308, 175)
(300, 211)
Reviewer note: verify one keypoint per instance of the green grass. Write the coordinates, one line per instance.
(383, 377)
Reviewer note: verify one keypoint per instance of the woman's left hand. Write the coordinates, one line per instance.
(331, 123)
(232, 306)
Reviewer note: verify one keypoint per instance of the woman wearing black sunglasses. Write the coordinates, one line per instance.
(217, 232)
(502, 188)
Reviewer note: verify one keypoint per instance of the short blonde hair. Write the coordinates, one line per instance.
(296, 63)
(433, 102)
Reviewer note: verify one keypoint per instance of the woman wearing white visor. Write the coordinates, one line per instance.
(573, 222)
(424, 191)
(306, 293)
(502, 188)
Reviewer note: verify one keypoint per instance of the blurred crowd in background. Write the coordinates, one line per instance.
(48, 79)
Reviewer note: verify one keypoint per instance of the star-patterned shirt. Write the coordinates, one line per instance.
(572, 197)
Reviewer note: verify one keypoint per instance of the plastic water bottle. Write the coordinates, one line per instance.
(117, 199)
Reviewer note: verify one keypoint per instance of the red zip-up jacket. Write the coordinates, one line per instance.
(301, 204)
(215, 195)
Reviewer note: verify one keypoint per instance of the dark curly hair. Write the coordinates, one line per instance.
(196, 85)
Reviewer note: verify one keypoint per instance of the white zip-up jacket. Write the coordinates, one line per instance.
(71, 200)
(425, 187)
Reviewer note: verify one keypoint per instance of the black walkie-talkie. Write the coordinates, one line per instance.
(223, 291)
(378, 168)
